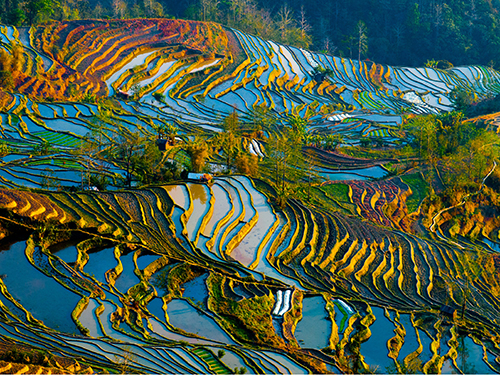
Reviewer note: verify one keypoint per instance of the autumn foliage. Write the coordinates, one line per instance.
(78, 55)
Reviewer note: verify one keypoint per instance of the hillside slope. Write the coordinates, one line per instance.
(107, 257)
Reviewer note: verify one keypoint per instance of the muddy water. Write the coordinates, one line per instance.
(201, 205)
(179, 195)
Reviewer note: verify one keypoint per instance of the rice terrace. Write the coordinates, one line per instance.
(184, 197)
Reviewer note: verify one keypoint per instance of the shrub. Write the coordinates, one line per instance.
(159, 97)
(6, 80)
(4, 150)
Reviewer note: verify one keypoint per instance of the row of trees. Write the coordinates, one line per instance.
(225, 146)
(285, 166)
(284, 23)
(30, 12)
(138, 154)
(135, 152)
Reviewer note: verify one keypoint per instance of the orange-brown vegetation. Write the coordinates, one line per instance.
(18, 359)
(382, 202)
(85, 51)
(6, 100)
(33, 206)
(377, 75)
(478, 216)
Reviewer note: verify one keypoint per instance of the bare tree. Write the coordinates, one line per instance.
(267, 22)
(285, 20)
(119, 8)
(328, 45)
(303, 24)
(399, 31)
(209, 9)
(153, 8)
(238, 8)
(235, 9)
(438, 19)
(362, 39)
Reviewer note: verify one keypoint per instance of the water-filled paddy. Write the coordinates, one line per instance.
(315, 327)
(74, 126)
(410, 341)
(68, 253)
(246, 251)
(291, 365)
(89, 319)
(353, 174)
(426, 341)
(99, 263)
(375, 349)
(138, 60)
(163, 69)
(201, 205)
(196, 290)
(145, 260)
(179, 195)
(184, 316)
(470, 357)
(127, 278)
(39, 294)
(223, 204)
(70, 109)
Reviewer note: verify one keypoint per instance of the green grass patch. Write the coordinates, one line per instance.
(419, 188)
(331, 197)
(59, 139)
(339, 192)
(182, 157)
(210, 359)
(344, 317)
(372, 153)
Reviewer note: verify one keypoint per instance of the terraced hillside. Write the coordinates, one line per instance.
(164, 278)
(191, 277)
(201, 69)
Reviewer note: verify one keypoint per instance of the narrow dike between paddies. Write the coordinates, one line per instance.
(223, 210)
(245, 225)
(181, 314)
(137, 60)
(181, 212)
(264, 266)
(202, 201)
(215, 244)
(249, 251)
